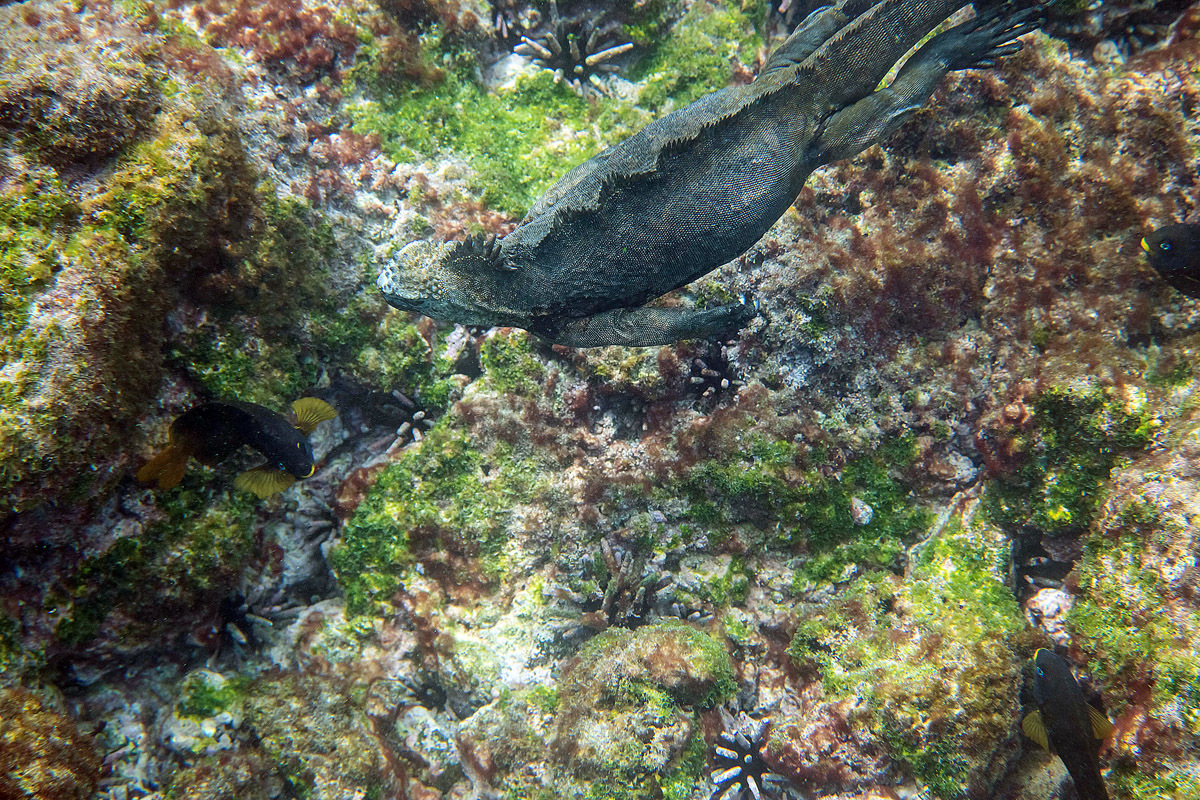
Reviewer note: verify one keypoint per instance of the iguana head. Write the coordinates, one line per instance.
(435, 280)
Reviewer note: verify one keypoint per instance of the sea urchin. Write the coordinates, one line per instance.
(572, 50)
(739, 769)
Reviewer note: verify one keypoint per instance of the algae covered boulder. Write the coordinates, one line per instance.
(621, 723)
(1136, 618)
(930, 665)
(320, 740)
(74, 99)
(43, 752)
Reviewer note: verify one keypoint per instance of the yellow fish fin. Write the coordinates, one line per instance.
(263, 481)
(167, 468)
(1101, 727)
(310, 411)
(1034, 729)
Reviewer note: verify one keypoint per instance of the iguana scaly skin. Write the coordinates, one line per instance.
(698, 187)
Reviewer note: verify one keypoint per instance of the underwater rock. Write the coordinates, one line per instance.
(43, 753)
(1134, 622)
(316, 735)
(929, 665)
(621, 718)
(73, 97)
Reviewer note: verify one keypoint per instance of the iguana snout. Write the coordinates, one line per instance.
(415, 278)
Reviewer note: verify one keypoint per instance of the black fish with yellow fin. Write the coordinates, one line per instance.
(212, 432)
(1067, 725)
(1174, 252)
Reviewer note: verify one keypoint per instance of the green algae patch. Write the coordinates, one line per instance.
(75, 100)
(624, 727)
(518, 140)
(936, 657)
(1080, 432)
(179, 213)
(1128, 616)
(765, 486)
(205, 694)
(190, 557)
(438, 502)
(1136, 619)
(34, 216)
(392, 354)
(509, 365)
(317, 735)
(696, 58)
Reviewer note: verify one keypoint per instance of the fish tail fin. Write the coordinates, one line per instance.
(263, 481)
(311, 411)
(166, 468)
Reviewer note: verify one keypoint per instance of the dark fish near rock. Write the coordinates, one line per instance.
(1174, 252)
(1067, 725)
(212, 432)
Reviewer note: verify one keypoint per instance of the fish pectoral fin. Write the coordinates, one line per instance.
(310, 411)
(167, 468)
(263, 481)
(1034, 728)
(1101, 726)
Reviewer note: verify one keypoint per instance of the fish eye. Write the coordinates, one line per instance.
(1164, 245)
(1040, 673)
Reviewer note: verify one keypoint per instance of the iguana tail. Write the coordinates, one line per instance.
(866, 49)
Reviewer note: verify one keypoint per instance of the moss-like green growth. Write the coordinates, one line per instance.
(765, 485)
(179, 213)
(1080, 432)
(624, 729)
(394, 355)
(518, 141)
(1130, 782)
(442, 496)
(522, 138)
(509, 367)
(680, 782)
(696, 57)
(206, 694)
(317, 736)
(1123, 616)
(937, 657)
(74, 101)
(187, 560)
(246, 774)
(34, 215)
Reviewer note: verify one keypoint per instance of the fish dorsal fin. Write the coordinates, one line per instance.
(1101, 727)
(263, 481)
(310, 411)
(1034, 729)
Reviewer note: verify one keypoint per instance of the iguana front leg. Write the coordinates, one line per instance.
(977, 42)
(645, 327)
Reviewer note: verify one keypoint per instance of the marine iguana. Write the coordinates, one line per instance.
(698, 187)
